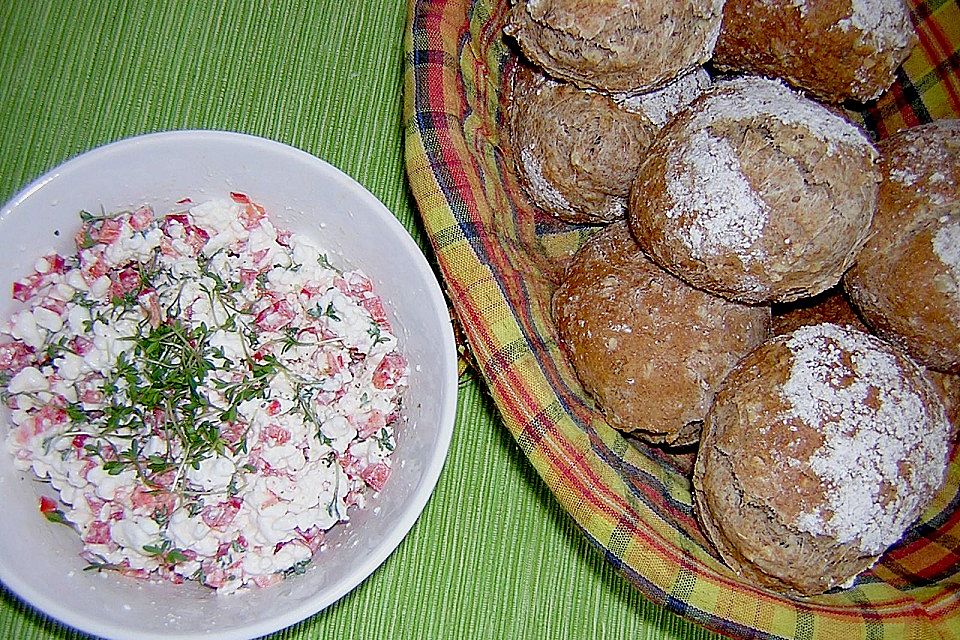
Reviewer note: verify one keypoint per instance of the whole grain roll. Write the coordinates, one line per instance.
(572, 149)
(616, 45)
(906, 280)
(756, 193)
(836, 50)
(821, 448)
(649, 348)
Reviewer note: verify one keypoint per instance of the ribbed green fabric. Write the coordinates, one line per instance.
(493, 555)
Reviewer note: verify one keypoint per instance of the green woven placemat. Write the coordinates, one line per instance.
(493, 555)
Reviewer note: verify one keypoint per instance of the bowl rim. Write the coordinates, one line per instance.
(423, 490)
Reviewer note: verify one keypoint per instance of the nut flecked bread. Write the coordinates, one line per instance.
(616, 46)
(756, 193)
(906, 279)
(572, 149)
(821, 448)
(836, 50)
(648, 347)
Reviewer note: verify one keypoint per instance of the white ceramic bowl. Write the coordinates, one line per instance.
(39, 560)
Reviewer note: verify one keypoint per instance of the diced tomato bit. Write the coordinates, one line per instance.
(268, 580)
(164, 479)
(335, 362)
(220, 515)
(24, 290)
(275, 433)
(81, 345)
(141, 218)
(94, 269)
(239, 198)
(47, 505)
(97, 533)
(350, 464)
(312, 537)
(151, 501)
(127, 281)
(50, 416)
(390, 371)
(109, 231)
(259, 255)
(376, 475)
(372, 423)
(248, 276)
(275, 317)
(252, 215)
(374, 307)
(15, 356)
(59, 307)
(94, 503)
(213, 576)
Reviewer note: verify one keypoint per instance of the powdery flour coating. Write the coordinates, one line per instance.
(822, 447)
(662, 104)
(836, 51)
(572, 149)
(906, 280)
(616, 45)
(756, 193)
(834, 307)
(649, 348)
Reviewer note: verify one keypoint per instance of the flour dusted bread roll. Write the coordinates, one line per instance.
(572, 149)
(649, 348)
(906, 280)
(836, 50)
(821, 448)
(756, 193)
(616, 45)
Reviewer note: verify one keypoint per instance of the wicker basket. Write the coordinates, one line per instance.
(500, 260)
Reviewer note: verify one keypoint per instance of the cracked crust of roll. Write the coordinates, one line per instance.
(906, 279)
(647, 347)
(616, 45)
(572, 149)
(821, 448)
(756, 193)
(835, 50)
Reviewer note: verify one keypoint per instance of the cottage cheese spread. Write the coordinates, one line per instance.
(206, 393)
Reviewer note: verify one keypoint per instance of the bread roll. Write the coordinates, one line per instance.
(649, 348)
(836, 50)
(572, 149)
(821, 448)
(616, 46)
(756, 193)
(906, 280)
